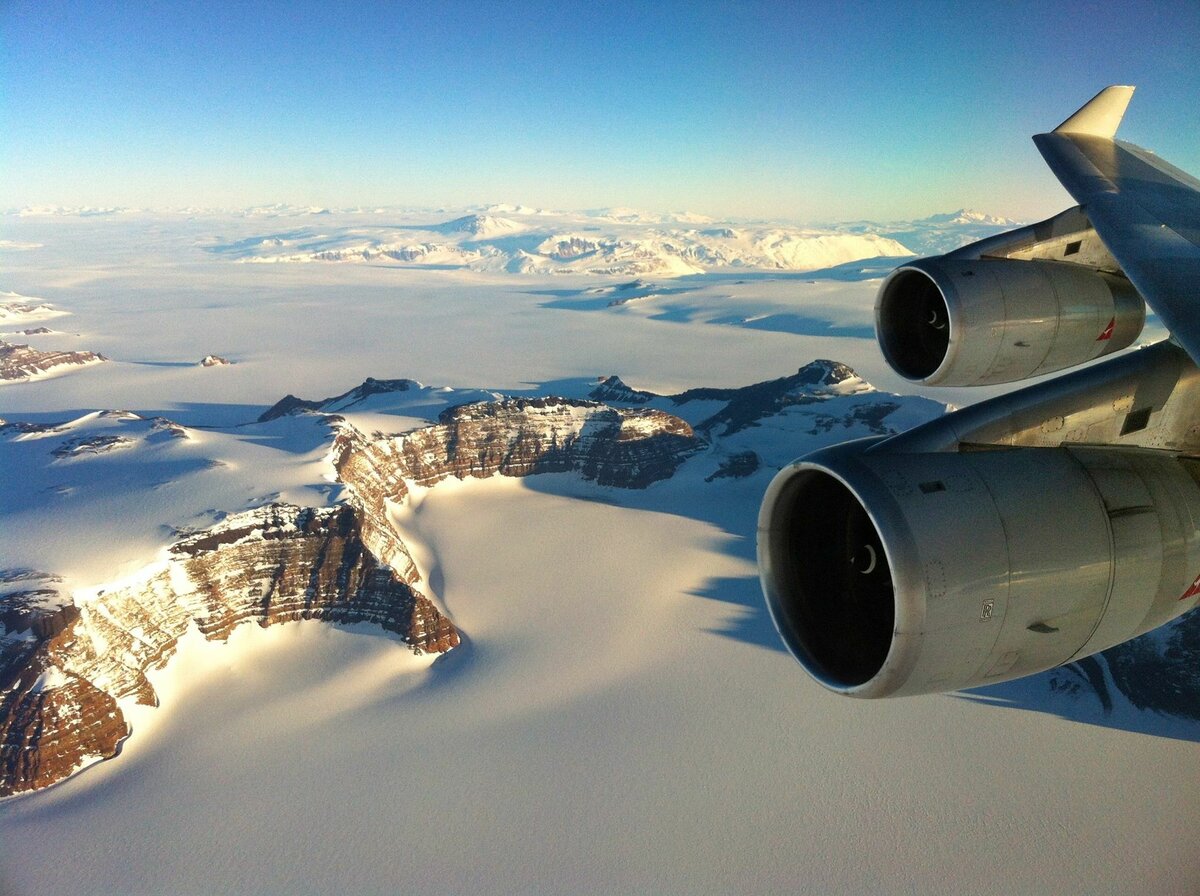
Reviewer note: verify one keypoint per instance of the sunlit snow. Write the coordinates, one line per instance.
(620, 717)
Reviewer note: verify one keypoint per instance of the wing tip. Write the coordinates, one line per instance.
(1101, 115)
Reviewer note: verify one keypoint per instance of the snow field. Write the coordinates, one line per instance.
(621, 719)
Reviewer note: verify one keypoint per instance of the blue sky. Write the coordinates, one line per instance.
(808, 111)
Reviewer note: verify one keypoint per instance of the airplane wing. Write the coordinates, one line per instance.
(1145, 210)
(1040, 526)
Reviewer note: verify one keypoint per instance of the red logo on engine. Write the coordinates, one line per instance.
(1192, 591)
(1108, 331)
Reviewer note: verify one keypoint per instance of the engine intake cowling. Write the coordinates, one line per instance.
(892, 574)
(959, 321)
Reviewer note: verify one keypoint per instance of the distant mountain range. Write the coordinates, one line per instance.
(937, 233)
(618, 243)
(602, 242)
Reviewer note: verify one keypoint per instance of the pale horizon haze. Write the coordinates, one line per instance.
(803, 111)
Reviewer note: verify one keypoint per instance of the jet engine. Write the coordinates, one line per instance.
(958, 320)
(892, 573)
(1038, 526)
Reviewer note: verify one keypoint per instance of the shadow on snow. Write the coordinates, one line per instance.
(1147, 686)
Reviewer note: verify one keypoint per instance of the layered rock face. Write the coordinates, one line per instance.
(523, 436)
(512, 437)
(63, 669)
(19, 362)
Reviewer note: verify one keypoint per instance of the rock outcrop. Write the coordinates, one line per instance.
(613, 388)
(21, 308)
(737, 466)
(65, 667)
(512, 437)
(20, 362)
(290, 404)
(811, 384)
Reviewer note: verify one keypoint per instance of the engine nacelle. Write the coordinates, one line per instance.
(956, 320)
(889, 573)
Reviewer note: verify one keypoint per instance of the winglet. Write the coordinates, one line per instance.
(1101, 115)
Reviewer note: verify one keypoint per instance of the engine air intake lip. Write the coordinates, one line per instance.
(913, 324)
(831, 594)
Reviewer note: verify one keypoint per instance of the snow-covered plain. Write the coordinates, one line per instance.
(621, 718)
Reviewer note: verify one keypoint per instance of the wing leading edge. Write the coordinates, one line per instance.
(1145, 210)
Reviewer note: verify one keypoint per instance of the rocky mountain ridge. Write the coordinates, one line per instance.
(19, 361)
(66, 665)
(22, 362)
(828, 396)
(290, 404)
(69, 663)
(65, 669)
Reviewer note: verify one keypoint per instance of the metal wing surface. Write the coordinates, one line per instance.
(1145, 210)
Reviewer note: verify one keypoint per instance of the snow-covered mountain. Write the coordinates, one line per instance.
(603, 242)
(67, 662)
(480, 226)
(600, 242)
(19, 361)
(938, 233)
(16, 308)
(62, 211)
(966, 217)
(609, 242)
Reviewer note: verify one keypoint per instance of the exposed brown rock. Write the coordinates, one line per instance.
(63, 668)
(85, 445)
(62, 674)
(46, 734)
(520, 437)
(18, 362)
(513, 437)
